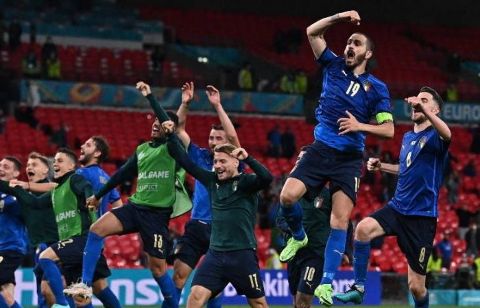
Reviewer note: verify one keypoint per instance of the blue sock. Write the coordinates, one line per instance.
(360, 261)
(215, 302)
(91, 254)
(179, 294)
(333, 254)
(170, 297)
(52, 273)
(293, 216)
(421, 303)
(71, 302)
(15, 305)
(108, 299)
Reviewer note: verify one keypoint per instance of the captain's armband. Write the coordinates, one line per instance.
(383, 117)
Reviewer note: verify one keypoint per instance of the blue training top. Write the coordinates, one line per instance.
(97, 177)
(423, 158)
(13, 233)
(363, 96)
(201, 208)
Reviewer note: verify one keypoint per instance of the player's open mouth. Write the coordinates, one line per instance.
(155, 130)
(350, 54)
(2, 174)
(30, 173)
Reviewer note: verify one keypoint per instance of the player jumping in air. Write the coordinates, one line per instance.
(350, 98)
(412, 213)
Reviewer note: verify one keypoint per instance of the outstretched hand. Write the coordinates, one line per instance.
(347, 125)
(350, 16)
(187, 92)
(213, 95)
(144, 88)
(239, 153)
(168, 127)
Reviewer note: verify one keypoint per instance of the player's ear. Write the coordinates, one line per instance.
(368, 54)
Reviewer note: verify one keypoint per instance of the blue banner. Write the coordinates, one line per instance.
(457, 112)
(438, 297)
(137, 287)
(94, 94)
(469, 298)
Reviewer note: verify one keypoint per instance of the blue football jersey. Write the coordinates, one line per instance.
(13, 233)
(423, 158)
(201, 208)
(364, 96)
(97, 177)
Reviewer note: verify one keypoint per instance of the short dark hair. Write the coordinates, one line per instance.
(217, 127)
(43, 159)
(226, 148)
(173, 116)
(16, 162)
(101, 145)
(70, 154)
(370, 43)
(436, 97)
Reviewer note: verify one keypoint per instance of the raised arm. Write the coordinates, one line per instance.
(262, 177)
(374, 164)
(214, 98)
(187, 97)
(146, 91)
(316, 31)
(176, 150)
(437, 123)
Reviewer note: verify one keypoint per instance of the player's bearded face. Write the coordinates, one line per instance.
(216, 137)
(36, 170)
(7, 170)
(417, 115)
(356, 51)
(62, 164)
(87, 152)
(225, 166)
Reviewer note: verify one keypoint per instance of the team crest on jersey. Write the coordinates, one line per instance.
(2, 205)
(318, 202)
(366, 86)
(422, 142)
(234, 185)
(103, 179)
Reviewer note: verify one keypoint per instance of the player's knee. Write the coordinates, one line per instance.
(364, 231)
(98, 228)
(180, 278)
(417, 289)
(302, 301)
(287, 197)
(99, 285)
(195, 299)
(157, 266)
(258, 302)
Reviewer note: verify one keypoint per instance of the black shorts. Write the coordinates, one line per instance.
(10, 260)
(70, 253)
(151, 223)
(239, 267)
(305, 272)
(321, 164)
(415, 235)
(193, 244)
